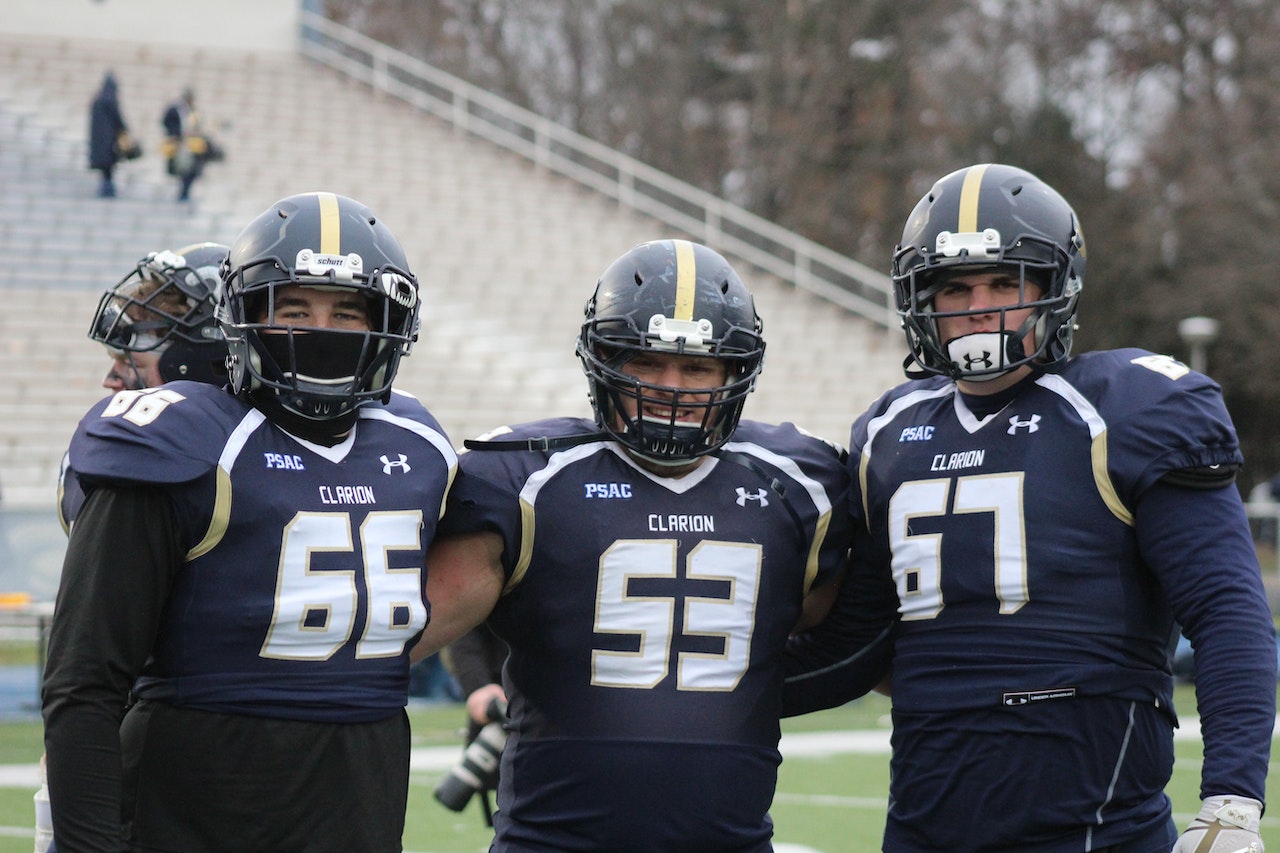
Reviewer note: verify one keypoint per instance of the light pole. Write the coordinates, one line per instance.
(1197, 333)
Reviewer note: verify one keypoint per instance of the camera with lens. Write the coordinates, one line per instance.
(478, 768)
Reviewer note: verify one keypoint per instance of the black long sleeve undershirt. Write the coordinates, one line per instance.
(119, 566)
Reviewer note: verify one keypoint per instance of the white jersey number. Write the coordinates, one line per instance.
(917, 557)
(651, 618)
(315, 610)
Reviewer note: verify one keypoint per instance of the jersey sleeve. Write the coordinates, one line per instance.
(70, 494)
(1161, 418)
(486, 494)
(159, 436)
(1198, 544)
(809, 474)
(477, 504)
(849, 652)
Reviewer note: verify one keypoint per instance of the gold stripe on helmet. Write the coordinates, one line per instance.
(686, 279)
(330, 224)
(969, 191)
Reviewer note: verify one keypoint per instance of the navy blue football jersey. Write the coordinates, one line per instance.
(303, 586)
(646, 618)
(1012, 535)
(1036, 618)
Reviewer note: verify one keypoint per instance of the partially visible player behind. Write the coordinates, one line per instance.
(245, 575)
(157, 325)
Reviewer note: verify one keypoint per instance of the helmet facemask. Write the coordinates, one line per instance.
(165, 306)
(984, 218)
(697, 420)
(320, 373)
(1043, 336)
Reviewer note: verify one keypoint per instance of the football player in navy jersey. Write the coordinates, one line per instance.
(1049, 521)
(229, 659)
(645, 571)
(157, 324)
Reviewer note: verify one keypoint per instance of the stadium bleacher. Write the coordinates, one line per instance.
(507, 253)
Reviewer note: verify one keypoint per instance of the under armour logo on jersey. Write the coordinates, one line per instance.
(757, 495)
(402, 463)
(1031, 424)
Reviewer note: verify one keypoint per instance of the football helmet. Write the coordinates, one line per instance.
(989, 217)
(166, 305)
(325, 241)
(670, 296)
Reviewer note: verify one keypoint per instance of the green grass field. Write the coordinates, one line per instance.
(834, 804)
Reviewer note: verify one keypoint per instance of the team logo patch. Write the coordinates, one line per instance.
(757, 495)
(1031, 424)
(979, 360)
(916, 433)
(287, 461)
(607, 490)
(389, 465)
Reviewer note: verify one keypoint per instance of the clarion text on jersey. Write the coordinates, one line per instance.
(964, 459)
(682, 523)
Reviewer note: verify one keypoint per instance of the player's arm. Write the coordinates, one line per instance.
(116, 575)
(472, 658)
(817, 604)
(464, 579)
(1196, 538)
(848, 653)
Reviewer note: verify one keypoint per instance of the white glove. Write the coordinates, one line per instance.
(1226, 824)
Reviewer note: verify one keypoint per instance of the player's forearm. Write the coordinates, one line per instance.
(464, 580)
(1235, 695)
(83, 761)
(849, 652)
(1199, 544)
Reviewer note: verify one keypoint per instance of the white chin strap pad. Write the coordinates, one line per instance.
(979, 357)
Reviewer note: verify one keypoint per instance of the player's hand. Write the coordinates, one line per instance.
(1226, 824)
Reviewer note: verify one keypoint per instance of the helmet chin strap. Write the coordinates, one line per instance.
(980, 357)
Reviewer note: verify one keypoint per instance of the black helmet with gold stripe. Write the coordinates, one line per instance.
(661, 299)
(315, 369)
(990, 217)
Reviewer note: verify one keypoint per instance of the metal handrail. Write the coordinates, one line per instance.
(808, 265)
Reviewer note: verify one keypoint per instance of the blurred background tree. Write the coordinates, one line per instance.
(1157, 119)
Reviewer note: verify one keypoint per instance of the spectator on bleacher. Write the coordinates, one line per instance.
(187, 146)
(106, 124)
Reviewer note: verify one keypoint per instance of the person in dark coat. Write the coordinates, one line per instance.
(106, 123)
(185, 147)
